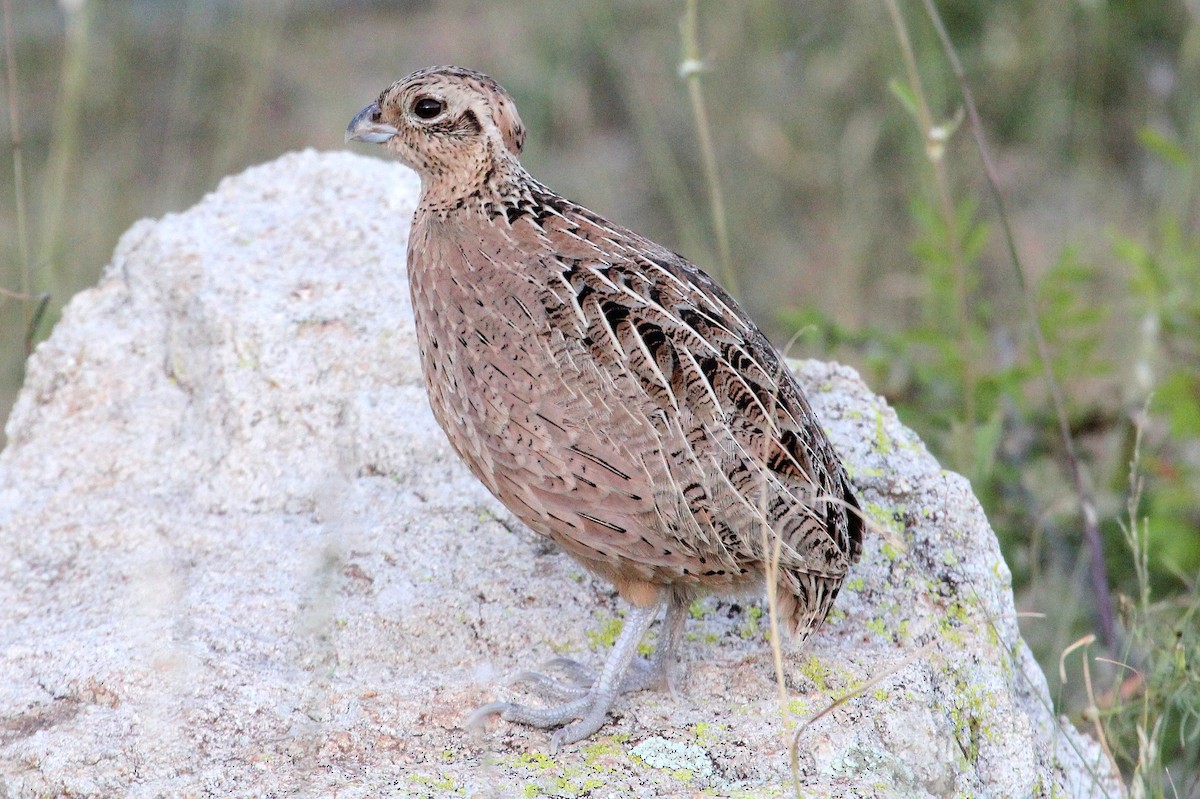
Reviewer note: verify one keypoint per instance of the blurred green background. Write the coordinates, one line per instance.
(131, 109)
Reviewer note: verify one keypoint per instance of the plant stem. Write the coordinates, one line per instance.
(935, 139)
(690, 70)
(1087, 504)
(64, 145)
(14, 121)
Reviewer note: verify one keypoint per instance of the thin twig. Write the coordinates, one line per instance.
(1086, 640)
(690, 70)
(181, 111)
(1087, 504)
(33, 320)
(1043, 699)
(1137, 542)
(1092, 712)
(668, 174)
(794, 747)
(773, 553)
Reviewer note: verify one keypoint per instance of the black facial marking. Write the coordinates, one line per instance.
(469, 123)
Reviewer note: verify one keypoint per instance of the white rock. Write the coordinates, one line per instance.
(238, 558)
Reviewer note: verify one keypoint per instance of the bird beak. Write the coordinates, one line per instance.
(366, 126)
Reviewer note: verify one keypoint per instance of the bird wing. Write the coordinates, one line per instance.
(737, 460)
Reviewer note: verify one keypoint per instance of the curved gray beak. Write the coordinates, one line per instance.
(366, 126)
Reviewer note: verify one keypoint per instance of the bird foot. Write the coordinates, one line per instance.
(576, 719)
(585, 696)
(584, 700)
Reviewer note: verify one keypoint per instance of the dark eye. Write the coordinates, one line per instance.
(428, 107)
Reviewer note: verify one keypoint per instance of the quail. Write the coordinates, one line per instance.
(608, 392)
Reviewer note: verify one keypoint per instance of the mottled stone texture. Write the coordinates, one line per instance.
(238, 558)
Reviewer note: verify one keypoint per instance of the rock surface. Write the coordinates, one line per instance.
(238, 558)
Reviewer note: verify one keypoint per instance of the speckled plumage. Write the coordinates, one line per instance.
(606, 390)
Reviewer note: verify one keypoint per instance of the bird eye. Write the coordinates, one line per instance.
(428, 107)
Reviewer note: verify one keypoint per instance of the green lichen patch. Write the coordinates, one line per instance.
(765, 792)
(440, 785)
(705, 638)
(889, 623)
(891, 519)
(539, 761)
(600, 755)
(605, 635)
(970, 711)
(858, 472)
(883, 441)
(707, 734)
(828, 679)
(954, 621)
(750, 626)
(549, 777)
(815, 672)
(836, 616)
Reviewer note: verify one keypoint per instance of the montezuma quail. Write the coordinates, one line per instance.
(607, 391)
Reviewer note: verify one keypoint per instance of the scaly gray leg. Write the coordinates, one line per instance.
(658, 672)
(643, 674)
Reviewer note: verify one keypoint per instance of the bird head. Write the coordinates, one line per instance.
(441, 121)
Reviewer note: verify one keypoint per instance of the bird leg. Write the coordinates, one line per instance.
(588, 697)
(659, 671)
(644, 673)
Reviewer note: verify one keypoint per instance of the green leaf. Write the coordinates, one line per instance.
(1178, 397)
(904, 93)
(1158, 144)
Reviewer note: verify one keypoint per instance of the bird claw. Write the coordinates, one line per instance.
(480, 715)
(577, 730)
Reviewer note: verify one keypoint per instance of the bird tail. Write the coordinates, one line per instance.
(804, 600)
